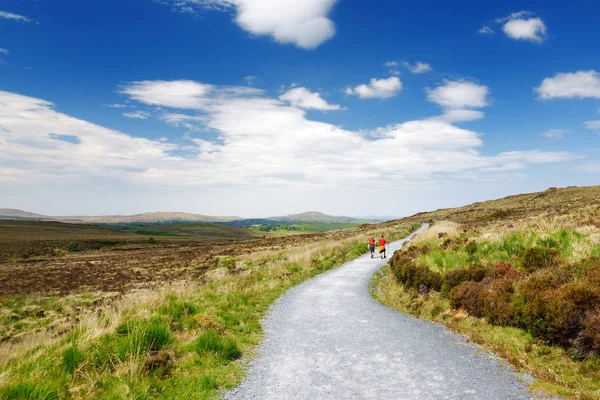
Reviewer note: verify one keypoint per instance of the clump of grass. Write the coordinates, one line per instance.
(72, 358)
(222, 347)
(28, 391)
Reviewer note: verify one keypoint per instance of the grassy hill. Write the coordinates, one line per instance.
(519, 275)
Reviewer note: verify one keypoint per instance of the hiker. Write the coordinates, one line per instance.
(382, 243)
(372, 246)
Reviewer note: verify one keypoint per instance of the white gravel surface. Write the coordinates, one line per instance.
(328, 339)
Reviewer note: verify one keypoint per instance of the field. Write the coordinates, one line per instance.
(520, 276)
(304, 227)
(175, 319)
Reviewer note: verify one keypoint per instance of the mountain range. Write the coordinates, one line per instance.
(171, 217)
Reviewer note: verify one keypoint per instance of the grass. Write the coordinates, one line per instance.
(305, 227)
(523, 284)
(552, 367)
(188, 339)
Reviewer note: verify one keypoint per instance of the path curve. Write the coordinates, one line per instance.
(328, 339)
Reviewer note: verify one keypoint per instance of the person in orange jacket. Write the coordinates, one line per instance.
(382, 243)
(372, 246)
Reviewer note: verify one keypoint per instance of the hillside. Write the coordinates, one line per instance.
(519, 275)
(551, 202)
(146, 218)
(313, 216)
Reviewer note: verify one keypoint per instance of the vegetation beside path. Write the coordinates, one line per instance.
(188, 339)
(524, 284)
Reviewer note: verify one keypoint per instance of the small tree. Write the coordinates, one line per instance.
(73, 246)
(151, 240)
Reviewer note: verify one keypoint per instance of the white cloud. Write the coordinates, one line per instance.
(262, 143)
(580, 84)
(418, 68)
(303, 98)
(459, 94)
(555, 133)
(116, 105)
(458, 98)
(486, 30)
(250, 80)
(594, 125)
(302, 23)
(14, 17)
(592, 168)
(4, 51)
(460, 115)
(377, 88)
(137, 115)
(515, 15)
(391, 64)
(532, 29)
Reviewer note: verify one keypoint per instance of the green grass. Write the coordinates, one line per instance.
(305, 227)
(185, 343)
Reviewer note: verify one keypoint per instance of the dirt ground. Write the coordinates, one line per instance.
(121, 268)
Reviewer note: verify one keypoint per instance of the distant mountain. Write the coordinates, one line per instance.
(9, 213)
(147, 218)
(314, 216)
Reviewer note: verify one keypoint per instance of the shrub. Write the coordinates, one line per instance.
(73, 246)
(474, 273)
(498, 300)
(567, 309)
(541, 281)
(222, 347)
(505, 270)
(72, 358)
(413, 276)
(536, 258)
(587, 342)
(151, 240)
(470, 296)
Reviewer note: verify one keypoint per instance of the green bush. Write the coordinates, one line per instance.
(151, 240)
(536, 258)
(73, 246)
(72, 358)
(222, 347)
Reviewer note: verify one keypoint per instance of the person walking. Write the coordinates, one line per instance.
(372, 247)
(382, 243)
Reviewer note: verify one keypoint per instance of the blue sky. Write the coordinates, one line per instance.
(264, 107)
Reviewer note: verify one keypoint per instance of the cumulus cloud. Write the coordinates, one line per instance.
(418, 68)
(532, 29)
(14, 17)
(137, 115)
(459, 94)
(301, 97)
(520, 25)
(555, 133)
(580, 84)
(302, 23)
(459, 98)
(40, 144)
(377, 88)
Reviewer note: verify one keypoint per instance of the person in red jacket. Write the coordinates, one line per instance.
(372, 246)
(382, 243)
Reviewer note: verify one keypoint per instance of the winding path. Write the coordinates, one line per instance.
(328, 339)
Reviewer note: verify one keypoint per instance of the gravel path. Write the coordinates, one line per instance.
(328, 339)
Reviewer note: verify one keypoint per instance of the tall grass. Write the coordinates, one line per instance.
(182, 340)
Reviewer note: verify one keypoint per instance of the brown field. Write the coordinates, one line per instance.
(115, 261)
